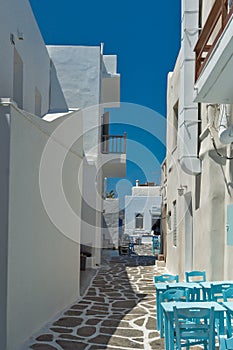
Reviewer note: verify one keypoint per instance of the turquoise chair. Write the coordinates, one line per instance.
(195, 276)
(166, 278)
(225, 343)
(217, 294)
(171, 294)
(228, 294)
(194, 326)
(217, 290)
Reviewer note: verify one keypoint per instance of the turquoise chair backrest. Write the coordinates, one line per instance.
(194, 326)
(217, 290)
(227, 294)
(166, 278)
(173, 294)
(195, 276)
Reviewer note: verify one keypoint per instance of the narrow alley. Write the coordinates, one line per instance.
(116, 312)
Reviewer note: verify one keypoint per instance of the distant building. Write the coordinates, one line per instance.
(143, 209)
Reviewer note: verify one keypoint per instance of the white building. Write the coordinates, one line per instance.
(91, 82)
(143, 209)
(52, 166)
(197, 172)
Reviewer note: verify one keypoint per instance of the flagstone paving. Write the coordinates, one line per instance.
(117, 311)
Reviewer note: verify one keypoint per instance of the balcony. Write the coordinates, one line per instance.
(214, 56)
(113, 149)
(114, 144)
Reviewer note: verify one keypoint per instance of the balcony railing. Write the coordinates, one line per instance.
(113, 143)
(213, 28)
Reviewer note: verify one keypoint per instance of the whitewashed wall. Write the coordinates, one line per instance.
(174, 254)
(17, 17)
(111, 222)
(78, 71)
(43, 263)
(146, 191)
(215, 194)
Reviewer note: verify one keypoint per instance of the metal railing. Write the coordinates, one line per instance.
(113, 144)
(218, 17)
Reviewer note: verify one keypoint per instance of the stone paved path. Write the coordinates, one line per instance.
(117, 311)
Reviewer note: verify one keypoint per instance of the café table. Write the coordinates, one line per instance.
(161, 287)
(167, 308)
(206, 286)
(229, 314)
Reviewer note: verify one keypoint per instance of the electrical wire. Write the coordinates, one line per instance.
(216, 150)
(216, 129)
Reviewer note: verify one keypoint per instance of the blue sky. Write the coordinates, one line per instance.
(145, 35)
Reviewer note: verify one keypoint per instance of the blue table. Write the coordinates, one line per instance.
(169, 317)
(161, 287)
(206, 286)
(229, 315)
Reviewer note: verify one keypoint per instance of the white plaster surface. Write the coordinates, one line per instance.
(32, 51)
(146, 191)
(43, 263)
(78, 71)
(111, 219)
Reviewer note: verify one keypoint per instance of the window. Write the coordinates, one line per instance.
(174, 224)
(200, 15)
(175, 123)
(139, 221)
(168, 217)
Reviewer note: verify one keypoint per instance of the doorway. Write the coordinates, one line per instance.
(188, 263)
(18, 80)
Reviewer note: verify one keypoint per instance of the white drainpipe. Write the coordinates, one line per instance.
(225, 126)
(188, 110)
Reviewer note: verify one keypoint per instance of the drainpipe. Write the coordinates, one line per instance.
(188, 110)
(5, 135)
(225, 126)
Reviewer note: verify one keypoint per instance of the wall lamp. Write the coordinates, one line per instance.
(182, 189)
(18, 36)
